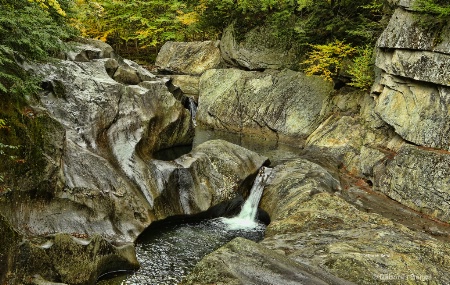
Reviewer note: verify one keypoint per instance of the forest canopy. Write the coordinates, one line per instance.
(146, 24)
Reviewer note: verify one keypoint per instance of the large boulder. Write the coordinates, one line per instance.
(191, 58)
(405, 32)
(312, 224)
(187, 84)
(420, 179)
(106, 133)
(279, 105)
(213, 172)
(243, 261)
(257, 49)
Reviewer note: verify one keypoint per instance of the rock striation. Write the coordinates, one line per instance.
(414, 97)
(280, 105)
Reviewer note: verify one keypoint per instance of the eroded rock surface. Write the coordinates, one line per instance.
(213, 172)
(312, 225)
(245, 262)
(279, 105)
(95, 183)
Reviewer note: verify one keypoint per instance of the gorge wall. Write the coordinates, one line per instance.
(97, 186)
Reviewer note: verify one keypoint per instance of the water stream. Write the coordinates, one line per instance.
(193, 110)
(247, 217)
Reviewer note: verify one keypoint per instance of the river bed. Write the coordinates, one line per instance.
(168, 252)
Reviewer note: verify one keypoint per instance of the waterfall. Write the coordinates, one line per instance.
(246, 219)
(193, 109)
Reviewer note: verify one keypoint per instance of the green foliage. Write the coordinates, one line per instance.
(362, 68)
(142, 23)
(297, 23)
(327, 60)
(438, 8)
(5, 152)
(433, 14)
(32, 31)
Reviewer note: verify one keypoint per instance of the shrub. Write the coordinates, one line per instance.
(361, 69)
(327, 60)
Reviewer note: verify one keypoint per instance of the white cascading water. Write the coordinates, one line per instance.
(247, 217)
(193, 109)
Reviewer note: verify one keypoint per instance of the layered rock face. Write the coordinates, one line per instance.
(413, 96)
(415, 79)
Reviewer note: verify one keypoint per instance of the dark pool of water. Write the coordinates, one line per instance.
(172, 153)
(168, 253)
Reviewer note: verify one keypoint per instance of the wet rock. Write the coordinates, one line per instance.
(60, 258)
(8, 249)
(257, 49)
(257, 265)
(192, 58)
(278, 105)
(419, 178)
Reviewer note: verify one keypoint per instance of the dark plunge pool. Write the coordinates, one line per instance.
(168, 252)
